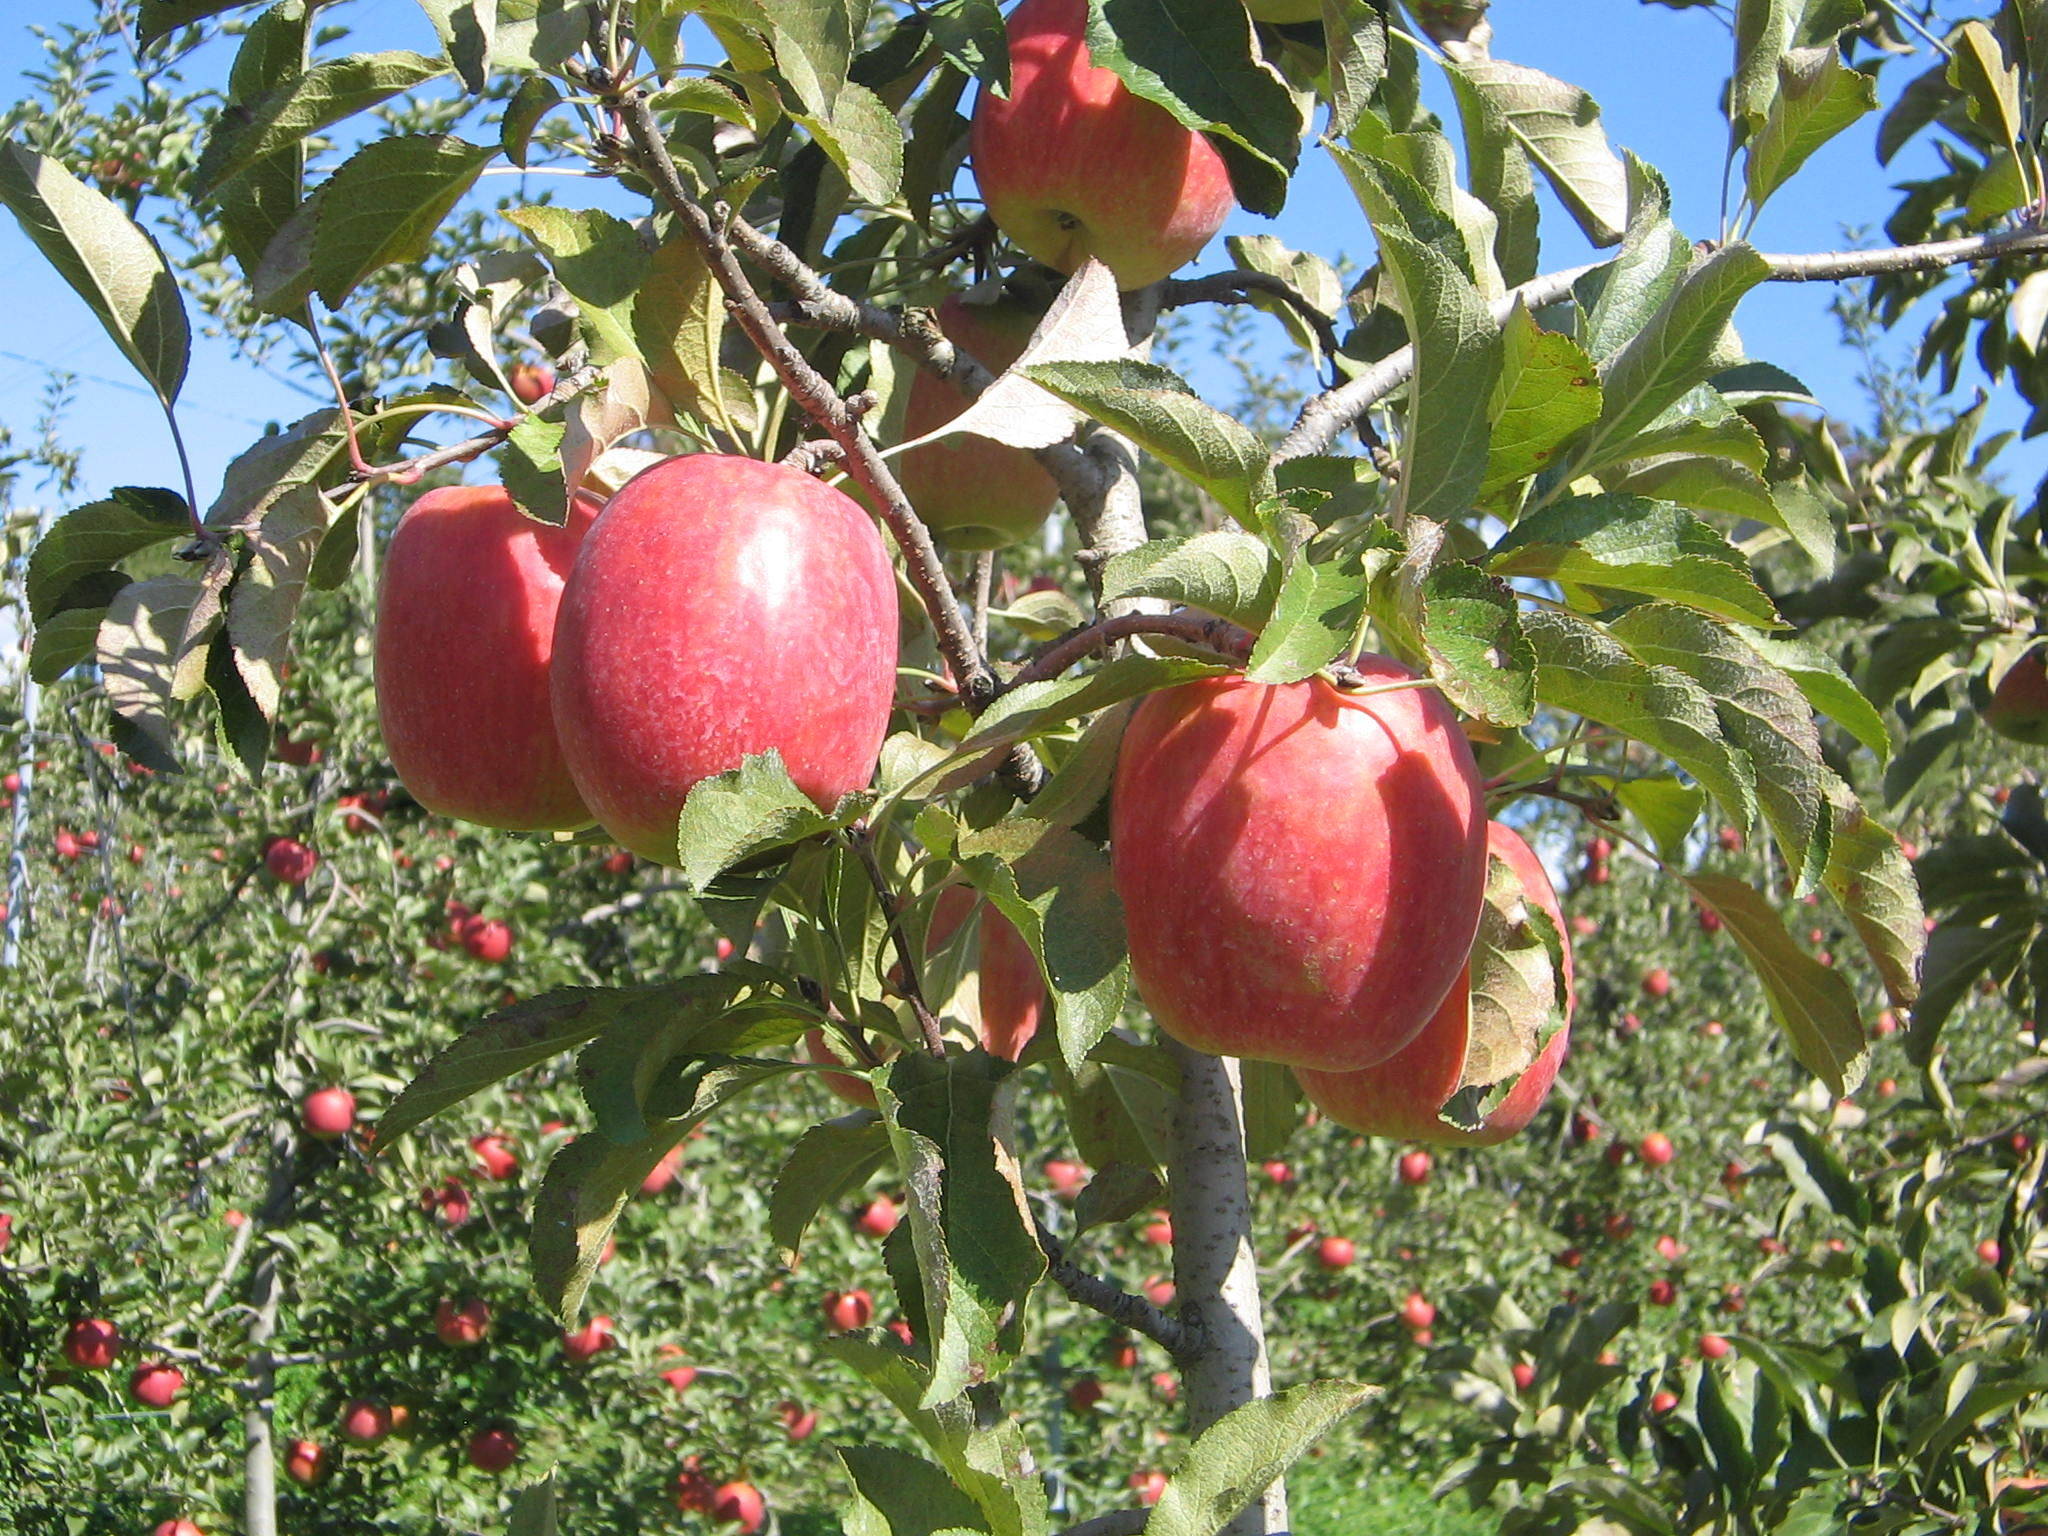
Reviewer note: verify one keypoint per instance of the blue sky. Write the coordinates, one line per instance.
(1656, 73)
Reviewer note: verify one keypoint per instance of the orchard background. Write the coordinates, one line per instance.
(1769, 1258)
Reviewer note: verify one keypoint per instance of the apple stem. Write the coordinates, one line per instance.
(861, 839)
(1215, 1271)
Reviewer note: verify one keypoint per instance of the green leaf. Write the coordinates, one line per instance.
(908, 1495)
(1356, 32)
(266, 597)
(93, 538)
(467, 29)
(1631, 544)
(814, 43)
(246, 135)
(1547, 391)
(1321, 602)
(1677, 348)
(1990, 83)
(1500, 177)
(1154, 407)
(1200, 61)
(534, 1510)
(862, 137)
(1305, 274)
(1870, 879)
(1224, 572)
(1471, 632)
(1827, 689)
(750, 810)
(159, 18)
(257, 208)
(1558, 126)
(1667, 809)
(1704, 484)
(1958, 956)
(385, 204)
(1457, 342)
(1817, 1172)
(1818, 96)
(1238, 1458)
(536, 97)
(71, 634)
(1582, 669)
(152, 631)
(1653, 257)
(306, 452)
(1813, 1004)
(531, 466)
(107, 259)
(678, 325)
(1117, 1193)
(824, 1165)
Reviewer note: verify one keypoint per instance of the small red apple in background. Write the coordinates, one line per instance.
(1072, 164)
(974, 492)
(6, 1229)
(1662, 1403)
(739, 1504)
(1524, 1374)
(799, 1424)
(847, 1311)
(680, 1376)
(722, 950)
(1656, 1149)
(494, 1155)
(462, 1325)
(305, 1461)
(1148, 1486)
(1278, 1172)
(300, 754)
(1570, 1258)
(1068, 1179)
(67, 844)
(1714, 1347)
(2018, 708)
(1619, 1225)
(1085, 1393)
(1663, 1293)
(620, 863)
(1584, 927)
(328, 1113)
(137, 853)
(465, 637)
(1220, 824)
(663, 1173)
(580, 1344)
(290, 862)
(1668, 1247)
(1121, 1353)
(156, 1385)
(857, 1091)
(493, 1450)
(487, 939)
(1657, 982)
(1417, 1312)
(1009, 987)
(1158, 1233)
(1989, 1252)
(771, 552)
(879, 1217)
(693, 1489)
(1414, 1168)
(1336, 1252)
(1160, 1293)
(531, 382)
(365, 1421)
(177, 1528)
(1404, 1095)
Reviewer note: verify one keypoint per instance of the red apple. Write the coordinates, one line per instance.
(328, 1113)
(974, 492)
(1657, 982)
(1148, 1486)
(1404, 1095)
(2019, 704)
(1524, 1374)
(879, 1217)
(1668, 1247)
(6, 1229)
(663, 1173)
(857, 1091)
(680, 1377)
(465, 635)
(1414, 1166)
(365, 1421)
(1158, 1233)
(1009, 987)
(1662, 1403)
(739, 1504)
(1072, 164)
(1714, 1347)
(1161, 1293)
(1417, 1312)
(488, 940)
(1167, 1385)
(1121, 1353)
(1085, 1393)
(177, 1528)
(493, 1450)
(1663, 1293)
(305, 1461)
(1656, 1149)
(620, 863)
(1989, 1252)
(800, 1424)
(289, 862)
(660, 683)
(67, 845)
(531, 382)
(586, 1341)
(1278, 1172)
(1570, 1258)
(848, 1311)
(462, 1325)
(1301, 870)
(1336, 1252)
(1067, 1178)
(156, 1385)
(494, 1155)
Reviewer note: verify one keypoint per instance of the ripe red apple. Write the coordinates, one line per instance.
(1121, 1353)
(1662, 1403)
(1417, 1312)
(290, 862)
(848, 1311)
(620, 863)
(660, 683)
(1278, 1172)
(1404, 1095)
(447, 1204)
(156, 1385)
(1657, 982)
(365, 1421)
(1524, 1374)
(722, 951)
(177, 1528)
(487, 939)
(1663, 1293)
(1085, 1393)
(1570, 1258)
(1148, 1486)
(1336, 842)
(879, 1217)
(663, 1173)
(799, 1423)
(6, 1229)
(1067, 1178)
(460, 1326)
(493, 1450)
(1714, 1347)
(328, 1113)
(580, 1344)
(974, 492)
(305, 1461)
(2019, 704)
(680, 1377)
(1009, 987)
(1619, 1225)
(1158, 1233)
(494, 1155)
(531, 382)
(1656, 1149)
(1336, 1252)
(1668, 1247)
(1414, 1166)
(1989, 1252)
(857, 1091)
(1160, 1293)
(465, 634)
(739, 1504)
(1072, 165)
(67, 845)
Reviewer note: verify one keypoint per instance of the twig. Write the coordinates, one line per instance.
(1120, 1306)
(984, 580)
(913, 980)
(1219, 635)
(1324, 417)
(811, 391)
(1239, 287)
